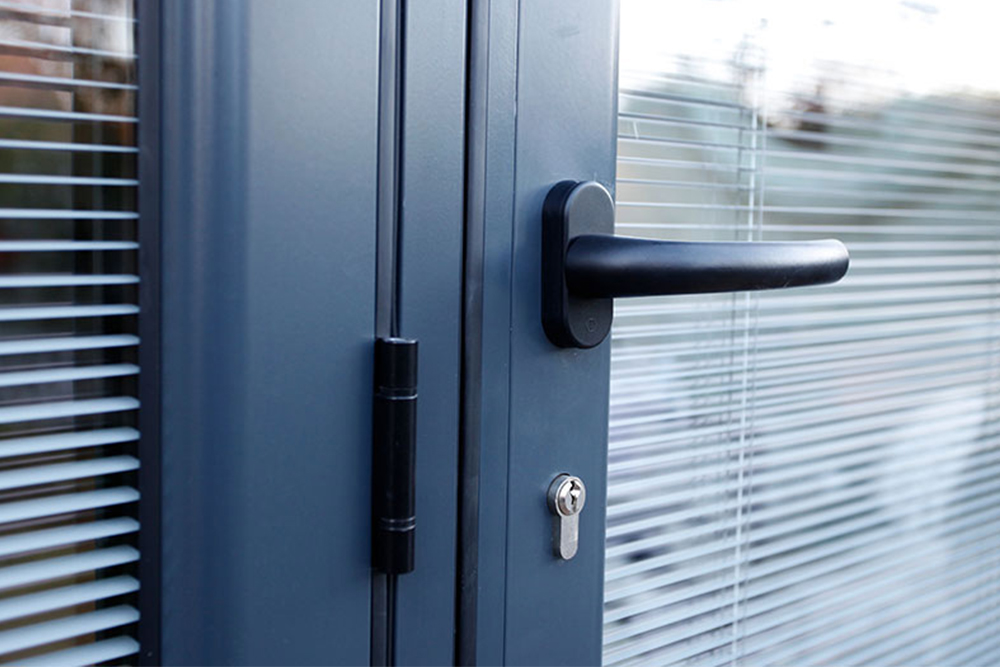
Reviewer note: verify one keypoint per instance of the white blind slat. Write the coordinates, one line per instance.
(42, 444)
(51, 537)
(67, 374)
(24, 510)
(104, 650)
(14, 576)
(59, 598)
(46, 345)
(59, 82)
(63, 312)
(34, 145)
(48, 632)
(47, 114)
(39, 179)
(58, 472)
(94, 406)
(39, 280)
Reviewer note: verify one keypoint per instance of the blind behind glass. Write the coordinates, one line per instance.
(68, 344)
(810, 477)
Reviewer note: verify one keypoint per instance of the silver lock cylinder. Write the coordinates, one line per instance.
(566, 498)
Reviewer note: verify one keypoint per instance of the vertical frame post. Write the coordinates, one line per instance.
(551, 96)
(148, 41)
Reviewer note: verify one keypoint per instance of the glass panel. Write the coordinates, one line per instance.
(810, 477)
(68, 309)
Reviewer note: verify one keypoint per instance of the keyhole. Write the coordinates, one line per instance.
(574, 496)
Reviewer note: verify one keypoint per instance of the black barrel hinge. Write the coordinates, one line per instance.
(394, 434)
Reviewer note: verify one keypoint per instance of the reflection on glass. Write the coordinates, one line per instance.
(68, 308)
(810, 477)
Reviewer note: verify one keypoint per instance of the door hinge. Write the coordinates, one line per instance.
(394, 444)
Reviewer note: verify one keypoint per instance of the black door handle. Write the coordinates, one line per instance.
(584, 265)
(602, 265)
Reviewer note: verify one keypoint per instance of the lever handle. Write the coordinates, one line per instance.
(584, 265)
(602, 265)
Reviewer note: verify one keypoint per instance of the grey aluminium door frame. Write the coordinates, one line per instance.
(429, 227)
(268, 254)
(542, 109)
(270, 170)
(266, 365)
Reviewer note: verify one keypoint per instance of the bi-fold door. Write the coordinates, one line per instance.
(308, 206)
(798, 478)
(208, 209)
(211, 210)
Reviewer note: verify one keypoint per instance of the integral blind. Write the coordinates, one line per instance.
(68, 344)
(810, 477)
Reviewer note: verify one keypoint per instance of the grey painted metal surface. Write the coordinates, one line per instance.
(556, 419)
(430, 310)
(495, 77)
(565, 129)
(269, 122)
(150, 569)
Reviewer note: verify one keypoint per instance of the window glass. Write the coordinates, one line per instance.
(810, 477)
(68, 344)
